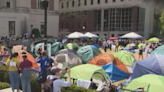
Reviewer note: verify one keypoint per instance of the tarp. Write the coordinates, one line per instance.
(159, 50)
(29, 57)
(67, 58)
(154, 64)
(154, 82)
(125, 57)
(114, 73)
(55, 47)
(86, 53)
(105, 58)
(88, 72)
(131, 35)
(72, 45)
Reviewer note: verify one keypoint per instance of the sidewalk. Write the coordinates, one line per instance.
(7, 90)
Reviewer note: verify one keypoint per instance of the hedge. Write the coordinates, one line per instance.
(4, 85)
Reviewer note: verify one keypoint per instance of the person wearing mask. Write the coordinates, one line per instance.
(25, 67)
(45, 65)
(56, 74)
(12, 68)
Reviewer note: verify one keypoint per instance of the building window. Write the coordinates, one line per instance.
(78, 25)
(79, 2)
(11, 27)
(106, 19)
(85, 2)
(97, 15)
(112, 35)
(91, 2)
(141, 19)
(8, 4)
(42, 28)
(98, 1)
(72, 26)
(67, 4)
(73, 3)
(62, 5)
(40, 4)
(106, 1)
(114, 0)
(122, 0)
(62, 25)
(67, 26)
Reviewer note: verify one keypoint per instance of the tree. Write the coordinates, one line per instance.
(162, 23)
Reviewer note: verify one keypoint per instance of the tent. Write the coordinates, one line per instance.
(72, 45)
(125, 57)
(114, 73)
(86, 53)
(67, 58)
(91, 35)
(88, 72)
(106, 58)
(154, 64)
(55, 47)
(154, 39)
(48, 40)
(150, 83)
(131, 35)
(159, 50)
(76, 35)
(29, 57)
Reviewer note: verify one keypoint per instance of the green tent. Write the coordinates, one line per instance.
(154, 82)
(125, 57)
(154, 39)
(88, 72)
(72, 45)
(159, 50)
(86, 53)
(55, 47)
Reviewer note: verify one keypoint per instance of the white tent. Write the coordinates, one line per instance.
(67, 58)
(91, 35)
(76, 35)
(131, 35)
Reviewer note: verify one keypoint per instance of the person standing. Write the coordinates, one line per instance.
(105, 45)
(25, 67)
(12, 68)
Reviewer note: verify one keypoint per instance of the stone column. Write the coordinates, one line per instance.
(102, 20)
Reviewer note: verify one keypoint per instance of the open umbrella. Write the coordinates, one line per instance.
(112, 38)
(154, 39)
(131, 35)
(91, 35)
(76, 35)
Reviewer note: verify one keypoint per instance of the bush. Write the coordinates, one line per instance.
(4, 76)
(4, 85)
(35, 87)
(74, 88)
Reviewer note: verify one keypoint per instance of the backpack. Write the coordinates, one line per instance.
(48, 85)
(41, 78)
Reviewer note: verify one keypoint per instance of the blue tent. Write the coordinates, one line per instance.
(154, 64)
(114, 73)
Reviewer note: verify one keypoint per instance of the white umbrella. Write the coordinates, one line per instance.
(131, 35)
(91, 35)
(76, 35)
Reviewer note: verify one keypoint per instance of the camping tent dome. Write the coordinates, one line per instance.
(114, 73)
(86, 53)
(88, 72)
(67, 58)
(154, 64)
(55, 47)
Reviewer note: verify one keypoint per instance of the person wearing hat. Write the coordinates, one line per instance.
(25, 73)
(56, 74)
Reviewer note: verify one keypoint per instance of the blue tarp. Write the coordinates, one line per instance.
(151, 65)
(114, 73)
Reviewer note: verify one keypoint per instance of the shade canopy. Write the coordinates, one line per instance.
(125, 57)
(88, 72)
(153, 83)
(154, 64)
(154, 39)
(112, 38)
(76, 35)
(91, 35)
(86, 53)
(131, 35)
(114, 73)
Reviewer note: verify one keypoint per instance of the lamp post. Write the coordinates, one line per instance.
(45, 6)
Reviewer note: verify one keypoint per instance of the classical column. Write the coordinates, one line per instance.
(102, 20)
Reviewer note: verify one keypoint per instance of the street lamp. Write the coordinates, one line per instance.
(45, 6)
(83, 27)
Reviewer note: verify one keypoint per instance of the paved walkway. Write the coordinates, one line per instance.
(7, 90)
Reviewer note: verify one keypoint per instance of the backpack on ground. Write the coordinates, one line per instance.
(48, 85)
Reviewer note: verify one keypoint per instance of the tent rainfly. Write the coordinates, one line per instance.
(131, 35)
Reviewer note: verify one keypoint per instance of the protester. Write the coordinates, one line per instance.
(141, 53)
(105, 45)
(25, 67)
(12, 67)
(56, 74)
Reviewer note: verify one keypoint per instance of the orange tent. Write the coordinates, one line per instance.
(105, 58)
(29, 57)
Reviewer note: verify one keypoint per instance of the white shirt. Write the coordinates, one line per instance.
(57, 84)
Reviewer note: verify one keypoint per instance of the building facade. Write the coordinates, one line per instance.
(21, 16)
(111, 18)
